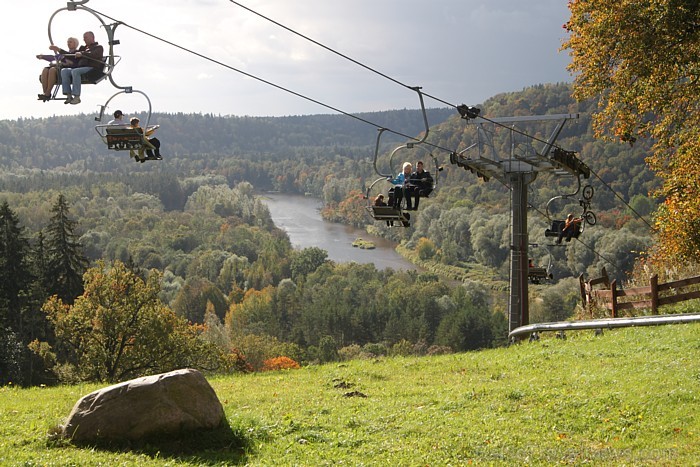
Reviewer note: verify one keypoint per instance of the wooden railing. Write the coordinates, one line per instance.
(617, 300)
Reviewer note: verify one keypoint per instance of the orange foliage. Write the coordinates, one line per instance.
(280, 363)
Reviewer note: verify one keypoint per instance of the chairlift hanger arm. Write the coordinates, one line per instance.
(410, 144)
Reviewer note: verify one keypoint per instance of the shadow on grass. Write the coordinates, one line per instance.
(223, 445)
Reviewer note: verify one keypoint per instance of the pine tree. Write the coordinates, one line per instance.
(66, 262)
(15, 282)
(15, 275)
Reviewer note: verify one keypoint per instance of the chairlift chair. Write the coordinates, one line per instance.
(588, 217)
(123, 137)
(109, 61)
(539, 274)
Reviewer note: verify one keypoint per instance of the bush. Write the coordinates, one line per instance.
(425, 248)
(350, 352)
(257, 348)
(439, 350)
(280, 363)
(403, 348)
(327, 350)
(375, 349)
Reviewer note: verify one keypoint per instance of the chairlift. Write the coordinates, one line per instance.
(540, 274)
(124, 137)
(587, 216)
(395, 213)
(109, 61)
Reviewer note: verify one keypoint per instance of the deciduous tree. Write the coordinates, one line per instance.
(119, 329)
(641, 59)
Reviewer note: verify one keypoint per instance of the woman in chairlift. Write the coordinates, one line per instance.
(402, 187)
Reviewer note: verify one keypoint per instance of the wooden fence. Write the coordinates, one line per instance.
(617, 300)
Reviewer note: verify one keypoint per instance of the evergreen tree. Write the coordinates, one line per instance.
(15, 282)
(66, 262)
(15, 275)
(40, 266)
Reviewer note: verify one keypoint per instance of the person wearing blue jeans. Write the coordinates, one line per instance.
(89, 57)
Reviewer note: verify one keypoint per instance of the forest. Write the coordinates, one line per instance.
(101, 257)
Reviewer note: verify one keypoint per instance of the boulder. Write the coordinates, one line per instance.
(165, 404)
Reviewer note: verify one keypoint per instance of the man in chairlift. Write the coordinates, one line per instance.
(89, 57)
(118, 119)
(571, 227)
(422, 183)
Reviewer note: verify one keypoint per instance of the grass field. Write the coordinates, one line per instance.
(628, 397)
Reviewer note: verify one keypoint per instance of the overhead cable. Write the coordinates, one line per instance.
(282, 88)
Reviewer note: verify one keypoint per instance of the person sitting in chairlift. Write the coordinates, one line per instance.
(571, 227)
(118, 118)
(89, 57)
(402, 187)
(49, 75)
(153, 141)
(379, 201)
(422, 184)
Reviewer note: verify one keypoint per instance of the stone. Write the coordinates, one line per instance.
(165, 404)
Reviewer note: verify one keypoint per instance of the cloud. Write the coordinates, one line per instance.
(457, 50)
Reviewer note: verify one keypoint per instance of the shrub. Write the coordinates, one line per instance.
(375, 349)
(280, 363)
(350, 352)
(425, 248)
(439, 350)
(402, 348)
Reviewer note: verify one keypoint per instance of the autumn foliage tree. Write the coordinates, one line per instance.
(119, 329)
(641, 59)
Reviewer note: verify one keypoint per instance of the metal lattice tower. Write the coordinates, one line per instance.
(517, 170)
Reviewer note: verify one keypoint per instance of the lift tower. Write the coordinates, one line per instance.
(517, 170)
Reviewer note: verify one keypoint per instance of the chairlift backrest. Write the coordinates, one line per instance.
(122, 138)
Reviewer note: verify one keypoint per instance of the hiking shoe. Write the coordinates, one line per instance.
(68, 99)
(75, 100)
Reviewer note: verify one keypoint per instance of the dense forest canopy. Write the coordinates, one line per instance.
(196, 220)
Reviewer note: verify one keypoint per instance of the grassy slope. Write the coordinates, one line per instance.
(629, 397)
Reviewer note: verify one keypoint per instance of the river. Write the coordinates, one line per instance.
(299, 216)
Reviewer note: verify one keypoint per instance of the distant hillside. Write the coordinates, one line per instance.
(54, 142)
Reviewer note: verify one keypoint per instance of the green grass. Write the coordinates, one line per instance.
(629, 397)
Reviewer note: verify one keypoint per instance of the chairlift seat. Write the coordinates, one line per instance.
(123, 139)
(388, 213)
(537, 274)
(557, 227)
(93, 76)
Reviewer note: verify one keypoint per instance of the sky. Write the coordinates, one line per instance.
(460, 51)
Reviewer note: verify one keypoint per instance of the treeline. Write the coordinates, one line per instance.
(48, 143)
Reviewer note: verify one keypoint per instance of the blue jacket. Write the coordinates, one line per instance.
(399, 180)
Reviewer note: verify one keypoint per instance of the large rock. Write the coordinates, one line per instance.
(165, 404)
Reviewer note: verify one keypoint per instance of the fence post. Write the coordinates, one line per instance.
(582, 288)
(606, 278)
(613, 290)
(654, 286)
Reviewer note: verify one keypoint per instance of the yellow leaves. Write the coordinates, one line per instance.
(640, 60)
